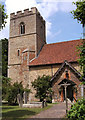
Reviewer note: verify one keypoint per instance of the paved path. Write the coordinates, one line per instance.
(57, 111)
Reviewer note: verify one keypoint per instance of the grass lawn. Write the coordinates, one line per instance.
(17, 113)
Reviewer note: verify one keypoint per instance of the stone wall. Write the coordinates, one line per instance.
(36, 71)
(20, 43)
(27, 45)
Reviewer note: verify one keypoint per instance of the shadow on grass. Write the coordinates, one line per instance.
(17, 114)
(4, 108)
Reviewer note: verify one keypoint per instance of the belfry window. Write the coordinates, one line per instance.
(22, 28)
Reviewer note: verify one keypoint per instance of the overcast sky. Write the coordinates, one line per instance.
(60, 26)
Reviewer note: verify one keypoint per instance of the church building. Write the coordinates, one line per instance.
(29, 56)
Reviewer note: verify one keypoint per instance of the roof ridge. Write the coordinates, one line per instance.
(63, 42)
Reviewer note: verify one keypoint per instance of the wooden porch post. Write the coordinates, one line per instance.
(62, 99)
(74, 95)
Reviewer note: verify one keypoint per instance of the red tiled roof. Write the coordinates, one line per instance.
(57, 53)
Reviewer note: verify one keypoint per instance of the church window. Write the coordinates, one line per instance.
(66, 74)
(22, 28)
(18, 52)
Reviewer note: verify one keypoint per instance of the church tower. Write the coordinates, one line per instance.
(27, 37)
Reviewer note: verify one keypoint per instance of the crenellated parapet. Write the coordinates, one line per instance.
(26, 13)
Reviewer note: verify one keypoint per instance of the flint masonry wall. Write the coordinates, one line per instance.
(28, 44)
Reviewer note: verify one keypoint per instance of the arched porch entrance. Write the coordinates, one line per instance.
(70, 90)
(66, 74)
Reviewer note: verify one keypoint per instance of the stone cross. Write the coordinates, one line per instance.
(65, 86)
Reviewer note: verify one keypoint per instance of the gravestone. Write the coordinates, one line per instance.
(19, 100)
(29, 99)
(25, 97)
(45, 103)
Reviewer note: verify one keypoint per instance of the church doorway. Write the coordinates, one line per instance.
(69, 93)
(69, 90)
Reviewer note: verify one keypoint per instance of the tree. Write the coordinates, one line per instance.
(3, 17)
(10, 92)
(79, 14)
(5, 86)
(13, 91)
(81, 60)
(77, 111)
(42, 86)
(0, 58)
(4, 56)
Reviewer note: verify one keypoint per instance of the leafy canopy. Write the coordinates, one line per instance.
(10, 92)
(81, 60)
(3, 17)
(5, 86)
(13, 91)
(4, 56)
(42, 86)
(79, 13)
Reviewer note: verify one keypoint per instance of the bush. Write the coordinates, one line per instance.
(5, 86)
(10, 92)
(42, 85)
(13, 91)
(77, 111)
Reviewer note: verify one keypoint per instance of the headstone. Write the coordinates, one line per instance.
(43, 104)
(29, 98)
(19, 100)
(53, 101)
(25, 97)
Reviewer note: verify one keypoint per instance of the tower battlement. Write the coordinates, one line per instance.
(26, 13)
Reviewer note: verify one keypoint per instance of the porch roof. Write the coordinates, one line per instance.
(66, 63)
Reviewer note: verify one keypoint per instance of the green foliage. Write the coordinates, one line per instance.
(13, 91)
(0, 58)
(3, 16)
(10, 92)
(4, 56)
(81, 60)
(5, 86)
(77, 111)
(79, 13)
(42, 86)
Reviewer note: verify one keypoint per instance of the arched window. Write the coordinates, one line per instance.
(18, 52)
(66, 74)
(22, 28)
